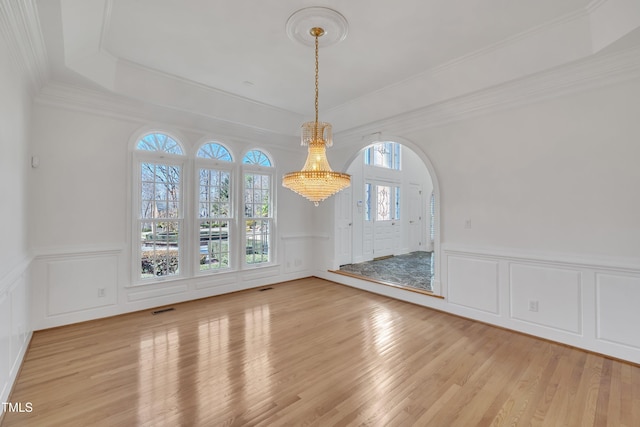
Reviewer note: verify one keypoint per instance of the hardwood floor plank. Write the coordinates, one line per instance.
(312, 352)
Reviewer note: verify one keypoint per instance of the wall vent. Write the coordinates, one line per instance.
(163, 310)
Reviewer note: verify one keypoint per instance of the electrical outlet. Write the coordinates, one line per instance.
(467, 224)
(102, 292)
(533, 305)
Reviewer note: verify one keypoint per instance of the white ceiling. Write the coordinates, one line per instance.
(237, 52)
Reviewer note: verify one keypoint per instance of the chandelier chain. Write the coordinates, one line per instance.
(316, 103)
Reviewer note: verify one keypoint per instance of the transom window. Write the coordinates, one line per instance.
(256, 157)
(213, 150)
(159, 142)
(384, 155)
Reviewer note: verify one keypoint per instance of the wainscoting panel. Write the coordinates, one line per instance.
(294, 249)
(618, 308)
(81, 283)
(19, 316)
(5, 343)
(86, 283)
(151, 293)
(15, 328)
(546, 295)
(473, 283)
(217, 280)
(260, 273)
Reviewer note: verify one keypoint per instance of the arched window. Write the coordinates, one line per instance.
(213, 150)
(256, 157)
(214, 212)
(159, 142)
(160, 218)
(258, 206)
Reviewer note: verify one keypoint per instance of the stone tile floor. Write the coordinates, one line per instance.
(414, 269)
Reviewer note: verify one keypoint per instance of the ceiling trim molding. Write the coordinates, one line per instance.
(106, 104)
(558, 22)
(595, 4)
(209, 96)
(20, 26)
(85, 52)
(575, 36)
(577, 77)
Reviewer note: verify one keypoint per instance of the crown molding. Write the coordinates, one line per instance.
(574, 37)
(567, 36)
(595, 4)
(580, 76)
(531, 33)
(598, 71)
(432, 98)
(20, 26)
(107, 104)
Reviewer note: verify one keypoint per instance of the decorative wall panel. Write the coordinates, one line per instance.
(618, 311)
(81, 283)
(473, 283)
(546, 295)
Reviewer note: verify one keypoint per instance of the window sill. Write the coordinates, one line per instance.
(258, 265)
(156, 281)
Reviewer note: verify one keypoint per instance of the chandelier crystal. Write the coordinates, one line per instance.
(316, 181)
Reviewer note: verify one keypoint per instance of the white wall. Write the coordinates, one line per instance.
(557, 176)
(15, 331)
(551, 190)
(81, 218)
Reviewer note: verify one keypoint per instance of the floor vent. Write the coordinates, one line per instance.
(265, 289)
(164, 310)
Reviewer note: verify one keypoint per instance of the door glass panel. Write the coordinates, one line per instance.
(383, 194)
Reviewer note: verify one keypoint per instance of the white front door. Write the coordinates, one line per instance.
(383, 222)
(381, 231)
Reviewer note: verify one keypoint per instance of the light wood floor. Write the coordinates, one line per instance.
(312, 352)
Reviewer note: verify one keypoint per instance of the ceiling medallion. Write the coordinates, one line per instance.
(333, 23)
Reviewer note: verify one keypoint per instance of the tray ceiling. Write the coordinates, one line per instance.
(399, 56)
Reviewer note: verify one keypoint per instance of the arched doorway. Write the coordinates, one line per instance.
(390, 211)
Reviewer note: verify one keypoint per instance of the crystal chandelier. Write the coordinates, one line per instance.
(316, 181)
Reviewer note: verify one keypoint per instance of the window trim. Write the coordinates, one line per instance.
(395, 156)
(242, 218)
(218, 165)
(158, 157)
